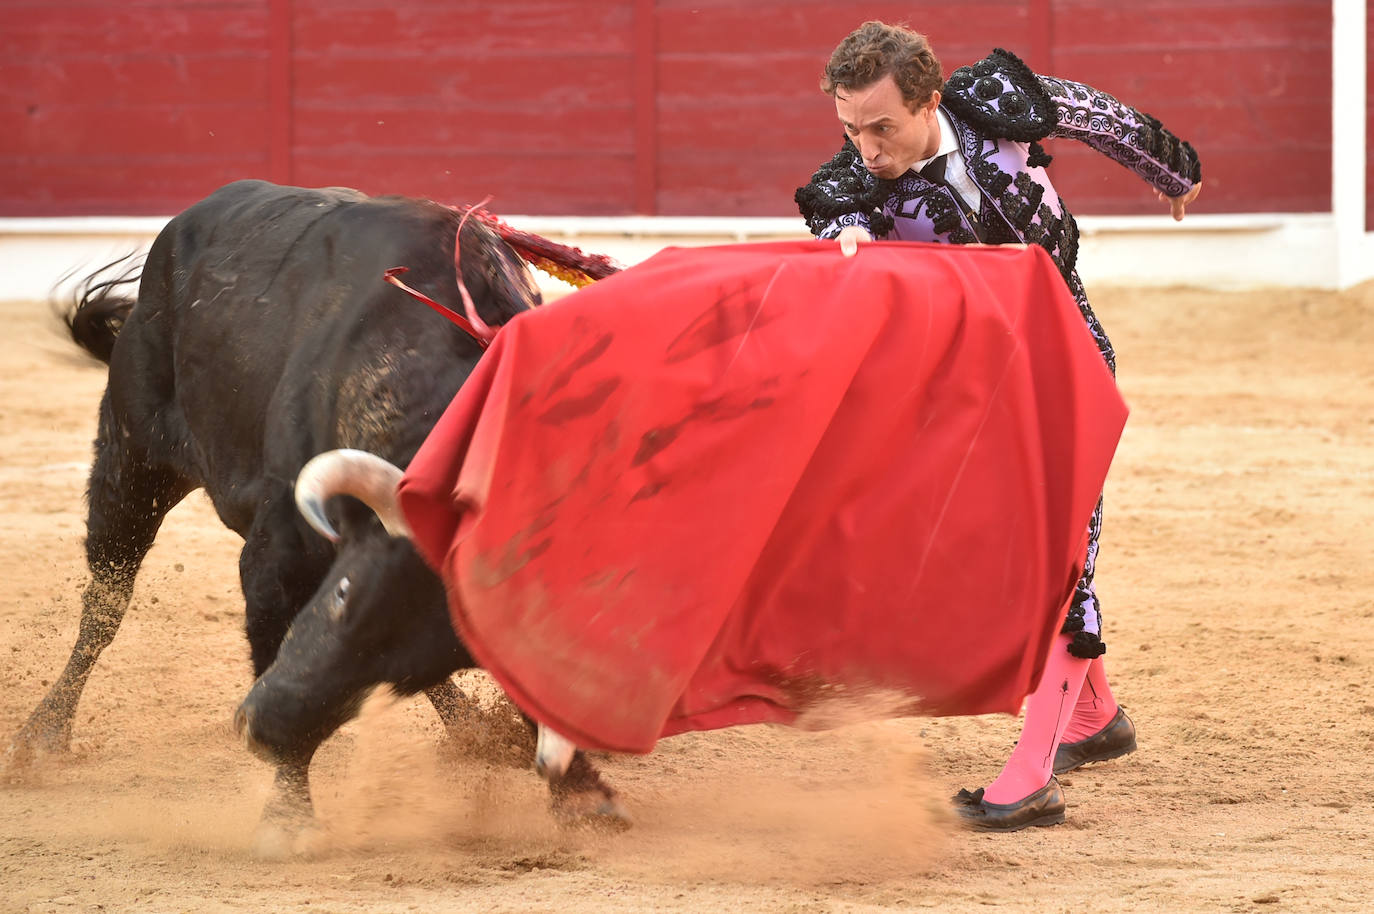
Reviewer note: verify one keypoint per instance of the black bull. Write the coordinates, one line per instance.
(263, 334)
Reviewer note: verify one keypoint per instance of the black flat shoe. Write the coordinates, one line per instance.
(1044, 807)
(1112, 741)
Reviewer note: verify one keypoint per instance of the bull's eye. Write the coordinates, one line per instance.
(336, 606)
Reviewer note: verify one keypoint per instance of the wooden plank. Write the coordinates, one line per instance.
(1238, 179)
(99, 132)
(1193, 25)
(745, 130)
(780, 77)
(1239, 9)
(83, 186)
(279, 91)
(58, 30)
(482, 31)
(1238, 79)
(1269, 126)
(645, 91)
(817, 27)
(534, 85)
(726, 186)
(557, 186)
(1040, 36)
(116, 81)
(362, 127)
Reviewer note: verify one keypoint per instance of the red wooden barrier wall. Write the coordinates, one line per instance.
(679, 107)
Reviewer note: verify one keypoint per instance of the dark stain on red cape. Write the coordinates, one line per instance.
(775, 474)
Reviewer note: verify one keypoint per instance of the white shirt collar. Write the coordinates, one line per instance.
(949, 140)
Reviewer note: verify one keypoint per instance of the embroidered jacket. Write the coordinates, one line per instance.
(1000, 110)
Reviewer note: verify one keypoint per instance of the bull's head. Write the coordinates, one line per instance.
(379, 616)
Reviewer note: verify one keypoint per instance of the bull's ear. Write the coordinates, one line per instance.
(499, 281)
(517, 276)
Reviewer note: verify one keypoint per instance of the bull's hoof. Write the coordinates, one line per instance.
(278, 840)
(591, 809)
(30, 746)
(16, 766)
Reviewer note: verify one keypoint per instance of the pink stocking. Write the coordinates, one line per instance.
(1047, 714)
(1096, 707)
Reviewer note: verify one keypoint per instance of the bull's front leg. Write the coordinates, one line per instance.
(288, 827)
(278, 576)
(579, 796)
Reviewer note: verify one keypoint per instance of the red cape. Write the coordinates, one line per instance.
(729, 481)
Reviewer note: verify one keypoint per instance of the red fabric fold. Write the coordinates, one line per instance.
(730, 482)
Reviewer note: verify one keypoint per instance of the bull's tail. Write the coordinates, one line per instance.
(102, 303)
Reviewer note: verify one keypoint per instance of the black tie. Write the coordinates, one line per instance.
(934, 172)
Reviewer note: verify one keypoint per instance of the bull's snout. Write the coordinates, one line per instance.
(243, 728)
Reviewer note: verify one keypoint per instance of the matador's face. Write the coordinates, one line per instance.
(890, 136)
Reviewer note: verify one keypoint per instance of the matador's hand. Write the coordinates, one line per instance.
(849, 239)
(1180, 203)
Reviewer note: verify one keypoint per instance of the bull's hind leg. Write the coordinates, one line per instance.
(128, 500)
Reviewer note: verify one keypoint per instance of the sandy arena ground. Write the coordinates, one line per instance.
(1237, 576)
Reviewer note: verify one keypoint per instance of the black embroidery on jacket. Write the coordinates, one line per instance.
(843, 185)
(1020, 202)
(1177, 155)
(1086, 645)
(1142, 145)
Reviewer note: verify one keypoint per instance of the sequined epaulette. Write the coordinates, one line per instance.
(843, 186)
(1001, 97)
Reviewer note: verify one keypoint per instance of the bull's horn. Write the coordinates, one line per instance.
(346, 471)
